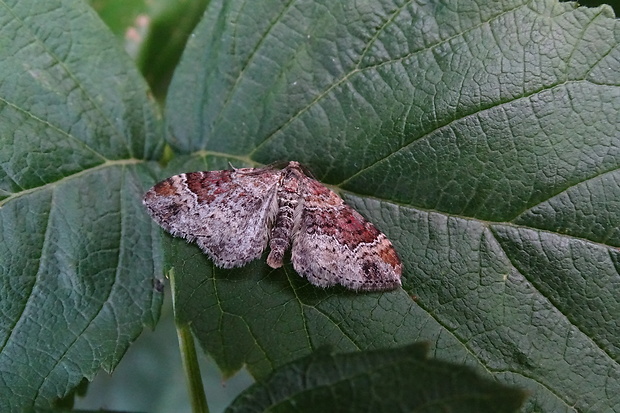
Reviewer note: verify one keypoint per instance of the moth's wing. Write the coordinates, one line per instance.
(334, 244)
(227, 213)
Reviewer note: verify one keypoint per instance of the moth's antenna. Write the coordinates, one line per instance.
(307, 171)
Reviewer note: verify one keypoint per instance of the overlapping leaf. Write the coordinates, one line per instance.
(76, 248)
(399, 380)
(481, 137)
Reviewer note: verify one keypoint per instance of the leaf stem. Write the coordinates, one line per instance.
(196, 391)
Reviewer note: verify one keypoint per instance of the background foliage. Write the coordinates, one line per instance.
(481, 137)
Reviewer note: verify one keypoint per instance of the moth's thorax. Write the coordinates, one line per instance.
(292, 179)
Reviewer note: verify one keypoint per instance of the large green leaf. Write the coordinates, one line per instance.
(76, 248)
(399, 380)
(482, 137)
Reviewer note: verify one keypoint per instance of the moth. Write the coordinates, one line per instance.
(233, 215)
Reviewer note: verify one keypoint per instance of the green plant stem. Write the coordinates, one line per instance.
(197, 395)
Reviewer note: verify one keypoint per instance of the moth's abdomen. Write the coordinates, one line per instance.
(280, 236)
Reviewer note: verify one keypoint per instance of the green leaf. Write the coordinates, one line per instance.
(154, 33)
(399, 380)
(482, 137)
(119, 15)
(78, 278)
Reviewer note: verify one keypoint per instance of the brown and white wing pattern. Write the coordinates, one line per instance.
(334, 244)
(228, 213)
(232, 215)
